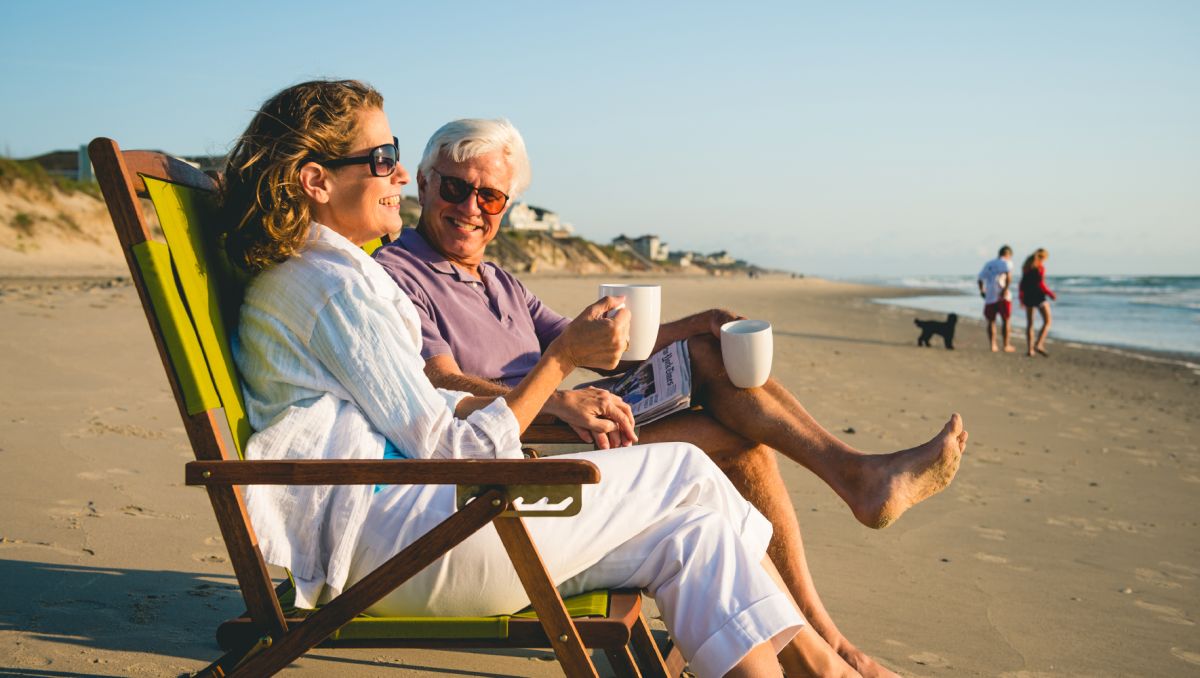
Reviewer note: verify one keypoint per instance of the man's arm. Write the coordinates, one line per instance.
(705, 322)
(597, 416)
(444, 372)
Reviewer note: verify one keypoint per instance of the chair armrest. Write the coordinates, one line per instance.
(394, 472)
(547, 430)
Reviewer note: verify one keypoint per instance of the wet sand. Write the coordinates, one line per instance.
(1069, 544)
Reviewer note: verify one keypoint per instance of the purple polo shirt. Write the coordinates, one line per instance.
(494, 328)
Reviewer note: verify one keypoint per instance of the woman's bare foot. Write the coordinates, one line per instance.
(866, 666)
(889, 484)
(1042, 351)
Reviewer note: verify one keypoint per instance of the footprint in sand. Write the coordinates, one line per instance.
(12, 542)
(1180, 571)
(97, 427)
(1166, 613)
(1156, 577)
(991, 558)
(1031, 485)
(208, 558)
(929, 659)
(1080, 525)
(1188, 656)
(1001, 560)
(102, 475)
(991, 533)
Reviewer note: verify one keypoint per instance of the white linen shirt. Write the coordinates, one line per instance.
(994, 275)
(329, 350)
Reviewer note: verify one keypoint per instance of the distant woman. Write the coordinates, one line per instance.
(329, 350)
(1033, 296)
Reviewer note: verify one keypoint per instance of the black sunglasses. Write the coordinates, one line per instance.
(383, 159)
(454, 190)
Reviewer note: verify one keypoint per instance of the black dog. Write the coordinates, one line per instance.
(932, 327)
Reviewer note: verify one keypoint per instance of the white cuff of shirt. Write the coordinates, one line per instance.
(500, 425)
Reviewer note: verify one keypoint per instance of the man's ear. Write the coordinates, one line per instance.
(420, 187)
(314, 181)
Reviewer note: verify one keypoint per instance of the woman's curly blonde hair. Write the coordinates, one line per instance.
(1034, 260)
(263, 205)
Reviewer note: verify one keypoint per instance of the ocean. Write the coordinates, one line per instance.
(1160, 314)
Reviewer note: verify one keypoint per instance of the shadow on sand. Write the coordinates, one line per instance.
(172, 615)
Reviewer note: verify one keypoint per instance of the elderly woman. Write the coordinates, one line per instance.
(329, 350)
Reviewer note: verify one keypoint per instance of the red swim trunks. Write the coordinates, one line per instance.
(1003, 308)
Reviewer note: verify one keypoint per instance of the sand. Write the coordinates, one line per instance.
(1069, 544)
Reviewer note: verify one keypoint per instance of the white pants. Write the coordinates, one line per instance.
(663, 518)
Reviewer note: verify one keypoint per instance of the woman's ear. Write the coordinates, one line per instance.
(314, 181)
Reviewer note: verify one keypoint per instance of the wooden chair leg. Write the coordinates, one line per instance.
(564, 637)
(643, 643)
(622, 662)
(228, 662)
(428, 548)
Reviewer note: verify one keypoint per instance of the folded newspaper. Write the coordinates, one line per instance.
(661, 385)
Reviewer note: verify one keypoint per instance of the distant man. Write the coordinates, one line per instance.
(994, 281)
(482, 330)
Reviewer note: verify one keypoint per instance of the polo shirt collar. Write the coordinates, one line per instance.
(416, 245)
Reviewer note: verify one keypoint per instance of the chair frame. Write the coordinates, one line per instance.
(264, 640)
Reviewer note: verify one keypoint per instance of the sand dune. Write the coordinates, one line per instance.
(1067, 546)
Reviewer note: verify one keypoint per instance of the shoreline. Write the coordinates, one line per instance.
(10, 282)
(875, 292)
(1185, 359)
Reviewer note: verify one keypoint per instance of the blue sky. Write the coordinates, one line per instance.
(841, 139)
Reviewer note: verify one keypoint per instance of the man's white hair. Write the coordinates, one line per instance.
(461, 140)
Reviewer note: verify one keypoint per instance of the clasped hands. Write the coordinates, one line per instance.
(596, 338)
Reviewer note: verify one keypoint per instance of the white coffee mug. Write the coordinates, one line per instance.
(746, 348)
(645, 310)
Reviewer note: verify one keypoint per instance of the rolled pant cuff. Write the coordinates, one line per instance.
(773, 618)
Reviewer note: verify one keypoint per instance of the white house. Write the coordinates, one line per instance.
(525, 217)
(649, 246)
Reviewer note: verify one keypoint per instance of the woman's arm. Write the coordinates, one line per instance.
(1042, 284)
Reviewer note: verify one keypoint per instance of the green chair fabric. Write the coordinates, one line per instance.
(208, 284)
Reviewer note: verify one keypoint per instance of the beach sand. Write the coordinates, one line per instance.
(1068, 545)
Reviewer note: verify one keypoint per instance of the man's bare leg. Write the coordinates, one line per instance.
(878, 488)
(1008, 347)
(753, 470)
(991, 330)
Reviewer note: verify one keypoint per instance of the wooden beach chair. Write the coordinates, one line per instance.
(190, 296)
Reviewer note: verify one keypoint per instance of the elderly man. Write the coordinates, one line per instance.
(482, 330)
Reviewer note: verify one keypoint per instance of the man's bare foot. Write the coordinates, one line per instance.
(890, 484)
(1010, 349)
(994, 348)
